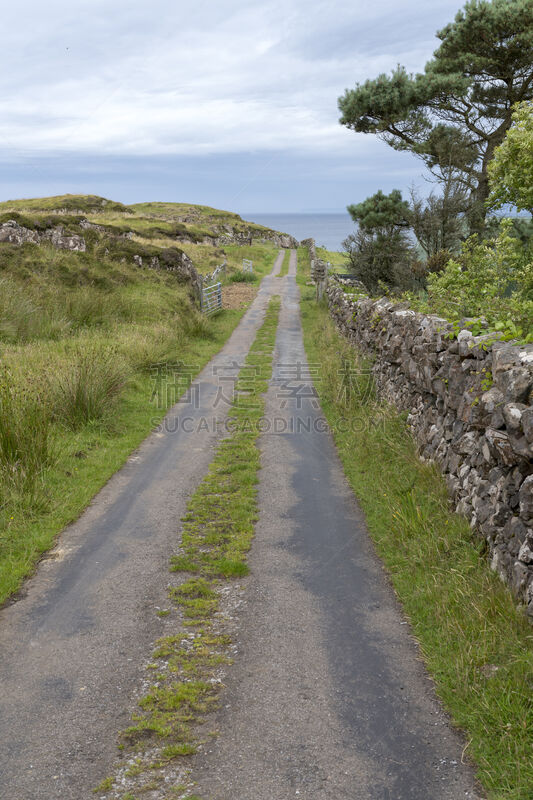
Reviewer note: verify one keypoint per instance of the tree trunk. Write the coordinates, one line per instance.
(478, 210)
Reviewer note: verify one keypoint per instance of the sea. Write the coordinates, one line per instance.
(328, 230)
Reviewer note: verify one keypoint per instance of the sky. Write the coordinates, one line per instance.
(225, 103)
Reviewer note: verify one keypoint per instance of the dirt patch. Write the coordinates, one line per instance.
(238, 295)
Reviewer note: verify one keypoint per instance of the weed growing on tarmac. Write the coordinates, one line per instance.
(185, 674)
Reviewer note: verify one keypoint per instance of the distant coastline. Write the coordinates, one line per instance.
(328, 230)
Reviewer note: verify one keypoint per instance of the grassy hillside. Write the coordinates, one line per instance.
(68, 203)
(206, 217)
(148, 229)
(80, 333)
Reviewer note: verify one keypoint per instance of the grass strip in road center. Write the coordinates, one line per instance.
(187, 667)
(285, 264)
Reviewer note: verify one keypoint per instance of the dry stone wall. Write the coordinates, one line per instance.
(470, 407)
(310, 244)
(318, 268)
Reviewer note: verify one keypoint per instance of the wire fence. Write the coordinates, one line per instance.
(211, 276)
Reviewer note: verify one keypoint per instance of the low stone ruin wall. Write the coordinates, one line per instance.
(247, 237)
(470, 404)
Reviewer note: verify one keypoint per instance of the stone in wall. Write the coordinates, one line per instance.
(314, 261)
(470, 407)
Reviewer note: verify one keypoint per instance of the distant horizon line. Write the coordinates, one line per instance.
(297, 213)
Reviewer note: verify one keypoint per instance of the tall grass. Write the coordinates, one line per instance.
(87, 307)
(23, 317)
(197, 326)
(142, 346)
(83, 459)
(47, 294)
(243, 277)
(32, 312)
(25, 447)
(87, 388)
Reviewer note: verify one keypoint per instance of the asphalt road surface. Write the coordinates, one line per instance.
(327, 698)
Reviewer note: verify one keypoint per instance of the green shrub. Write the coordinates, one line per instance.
(43, 222)
(490, 278)
(437, 261)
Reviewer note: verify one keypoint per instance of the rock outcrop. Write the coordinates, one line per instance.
(14, 233)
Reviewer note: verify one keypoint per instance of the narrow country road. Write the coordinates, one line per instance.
(327, 697)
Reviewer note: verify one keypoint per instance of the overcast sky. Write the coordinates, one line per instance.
(221, 102)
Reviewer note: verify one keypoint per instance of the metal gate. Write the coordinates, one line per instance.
(211, 298)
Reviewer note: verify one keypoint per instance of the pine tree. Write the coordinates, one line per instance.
(455, 113)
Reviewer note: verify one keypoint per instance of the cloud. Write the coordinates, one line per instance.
(167, 78)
